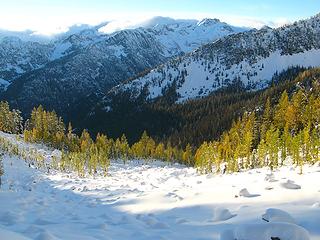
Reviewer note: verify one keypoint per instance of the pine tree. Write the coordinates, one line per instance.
(202, 158)
(315, 143)
(262, 153)
(117, 149)
(281, 110)
(284, 143)
(306, 144)
(72, 140)
(248, 137)
(266, 119)
(83, 156)
(188, 156)
(104, 147)
(168, 152)
(227, 154)
(124, 148)
(298, 104)
(296, 144)
(10, 121)
(160, 152)
(272, 146)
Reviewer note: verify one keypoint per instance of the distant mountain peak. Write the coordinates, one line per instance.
(266, 27)
(158, 22)
(208, 21)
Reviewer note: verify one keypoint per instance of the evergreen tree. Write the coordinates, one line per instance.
(296, 144)
(160, 152)
(272, 147)
(10, 121)
(168, 152)
(262, 153)
(104, 147)
(266, 119)
(306, 144)
(187, 157)
(124, 148)
(248, 137)
(281, 110)
(315, 145)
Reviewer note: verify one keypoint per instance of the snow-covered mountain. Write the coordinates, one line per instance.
(18, 57)
(251, 58)
(87, 61)
(22, 52)
(182, 36)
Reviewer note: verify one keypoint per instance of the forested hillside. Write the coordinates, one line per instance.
(267, 128)
(192, 122)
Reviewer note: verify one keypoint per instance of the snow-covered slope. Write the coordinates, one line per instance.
(18, 57)
(182, 36)
(251, 58)
(22, 52)
(157, 201)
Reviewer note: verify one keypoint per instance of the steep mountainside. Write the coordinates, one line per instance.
(194, 121)
(251, 58)
(18, 57)
(183, 36)
(89, 62)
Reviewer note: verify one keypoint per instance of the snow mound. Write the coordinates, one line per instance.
(160, 225)
(41, 221)
(8, 235)
(270, 178)
(267, 231)
(291, 185)
(10, 218)
(46, 236)
(222, 214)
(181, 221)
(277, 215)
(245, 193)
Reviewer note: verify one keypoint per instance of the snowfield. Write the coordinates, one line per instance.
(158, 201)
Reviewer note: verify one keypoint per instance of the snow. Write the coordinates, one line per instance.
(156, 200)
(289, 184)
(118, 51)
(245, 193)
(200, 81)
(197, 77)
(277, 215)
(60, 50)
(178, 35)
(187, 35)
(8, 235)
(4, 84)
(283, 231)
(17, 69)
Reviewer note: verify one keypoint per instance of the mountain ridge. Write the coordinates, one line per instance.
(251, 57)
(90, 62)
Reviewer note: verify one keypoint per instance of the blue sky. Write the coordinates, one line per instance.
(50, 16)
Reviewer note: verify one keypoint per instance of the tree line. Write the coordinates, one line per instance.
(191, 122)
(83, 153)
(287, 131)
(285, 127)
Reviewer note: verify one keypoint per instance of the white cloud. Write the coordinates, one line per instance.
(60, 22)
(245, 21)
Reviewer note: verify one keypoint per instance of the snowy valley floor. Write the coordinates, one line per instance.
(158, 202)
